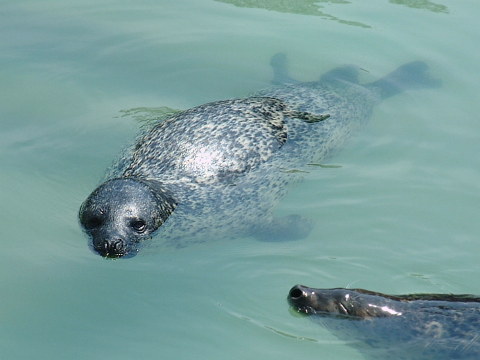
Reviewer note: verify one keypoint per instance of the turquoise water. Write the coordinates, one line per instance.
(397, 214)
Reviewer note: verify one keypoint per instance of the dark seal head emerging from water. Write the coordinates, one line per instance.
(354, 303)
(122, 212)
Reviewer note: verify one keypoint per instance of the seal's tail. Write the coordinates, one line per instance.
(409, 76)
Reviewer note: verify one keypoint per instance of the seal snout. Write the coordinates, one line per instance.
(302, 299)
(297, 292)
(114, 248)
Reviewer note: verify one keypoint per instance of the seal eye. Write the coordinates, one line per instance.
(138, 225)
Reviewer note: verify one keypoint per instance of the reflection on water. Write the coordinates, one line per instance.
(302, 7)
(312, 7)
(422, 4)
(149, 115)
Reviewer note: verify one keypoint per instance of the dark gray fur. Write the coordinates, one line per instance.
(222, 166)
(399, 327)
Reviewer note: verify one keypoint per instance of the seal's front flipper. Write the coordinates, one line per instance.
(276, 109)
(286, 228)
(280, 70)
(409, 76)
(307, 117)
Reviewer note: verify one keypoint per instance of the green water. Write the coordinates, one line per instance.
(398, 213)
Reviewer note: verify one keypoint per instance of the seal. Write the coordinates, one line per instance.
(416, 326)
(218, 169)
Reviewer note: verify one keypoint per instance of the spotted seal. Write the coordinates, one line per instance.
(403, 327)
(217, 170)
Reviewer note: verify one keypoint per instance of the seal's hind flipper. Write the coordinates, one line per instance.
(348, 73)
(409, 76)
(280, 70)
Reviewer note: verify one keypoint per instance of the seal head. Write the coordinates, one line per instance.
(122, 212)
(353, 304)
(407, 326)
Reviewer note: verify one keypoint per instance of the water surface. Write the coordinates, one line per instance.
(397, 214)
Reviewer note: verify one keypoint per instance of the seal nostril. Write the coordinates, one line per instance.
(118, 245)
(296, 292)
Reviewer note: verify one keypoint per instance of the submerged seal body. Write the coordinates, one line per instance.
(403, 327)
(217, 170)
